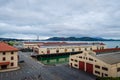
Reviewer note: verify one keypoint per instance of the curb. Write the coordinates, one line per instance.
(6, 70)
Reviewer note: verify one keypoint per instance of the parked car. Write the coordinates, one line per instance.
(21, 61)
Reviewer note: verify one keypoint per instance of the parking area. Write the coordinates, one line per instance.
(32, 69)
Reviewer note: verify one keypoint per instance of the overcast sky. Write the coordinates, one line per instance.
(62, 18)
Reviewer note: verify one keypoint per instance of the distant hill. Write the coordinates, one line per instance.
(10, 39)
(63, 39)
(79, 39)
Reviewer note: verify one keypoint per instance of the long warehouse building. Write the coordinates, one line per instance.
(42, 48)
(103, 63)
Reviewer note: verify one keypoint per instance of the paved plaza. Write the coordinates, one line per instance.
(32, 69)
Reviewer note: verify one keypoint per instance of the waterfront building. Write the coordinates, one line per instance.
(61, 47)
(31, 45)
(8, 57)
(58, 48)
(103, 63)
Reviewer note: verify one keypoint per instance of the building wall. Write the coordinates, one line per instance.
(115, 70)
(100, 68)
(63, 49)
(31, 46)
(8, 56)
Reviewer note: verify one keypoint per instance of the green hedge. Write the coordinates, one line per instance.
(107, 78)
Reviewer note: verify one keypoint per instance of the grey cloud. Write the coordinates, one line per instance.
(48, 18)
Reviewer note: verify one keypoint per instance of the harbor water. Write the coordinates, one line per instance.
(54, 60)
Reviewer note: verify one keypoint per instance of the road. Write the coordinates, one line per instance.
(32, 69)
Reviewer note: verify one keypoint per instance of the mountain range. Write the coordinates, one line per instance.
(79, 39)
(64, 39)
(10, 39)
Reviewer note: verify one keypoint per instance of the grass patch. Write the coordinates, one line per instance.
(108, 78)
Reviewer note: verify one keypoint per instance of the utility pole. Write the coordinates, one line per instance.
(37, 37)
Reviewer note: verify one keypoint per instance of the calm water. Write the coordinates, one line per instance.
(54, 60)
(110, 44)
(64, 59)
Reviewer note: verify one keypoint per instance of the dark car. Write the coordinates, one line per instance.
(21, 61)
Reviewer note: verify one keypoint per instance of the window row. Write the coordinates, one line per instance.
(4, 58)
(57, 51)
(100, 48)
(74, 60)
(70, 48)
(103, 74)
(4, 53)
(118, 69)
(103, 68)
(87, 58)
(65, 47)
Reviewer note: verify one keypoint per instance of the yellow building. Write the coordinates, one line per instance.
(31, 45)
(58, 48)
(103, 63)
(8, 57)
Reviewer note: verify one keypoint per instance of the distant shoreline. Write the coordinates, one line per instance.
(62, 39)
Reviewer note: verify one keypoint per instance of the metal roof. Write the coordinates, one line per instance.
(62, 43)
(110, 58)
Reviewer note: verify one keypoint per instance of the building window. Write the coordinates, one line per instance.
(4, 53)
(71, 59)
(73, 50)
(104, 68)
(96, 66)
(90, 48)
(57, 51)
(75, 65)
(90, 59)
(80, 56)
(106, 74)
(12, 64)
(65, 50)
(83, 57)
(118, 69)
(85, 49)
(97, 72)
(12, 58)
(48, 51)
(76, 61)
(4, 58)
(12, 52)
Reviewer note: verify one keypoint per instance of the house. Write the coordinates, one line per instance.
(8, 57)
(102, 63)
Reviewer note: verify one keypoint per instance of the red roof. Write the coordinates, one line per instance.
(107, 50)
(61, 43)
(6, 47)
(65, 43)
(33, 42)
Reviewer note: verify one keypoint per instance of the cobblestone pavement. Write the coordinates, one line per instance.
(34, 70)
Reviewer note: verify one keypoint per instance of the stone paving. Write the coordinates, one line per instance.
(34, 70)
